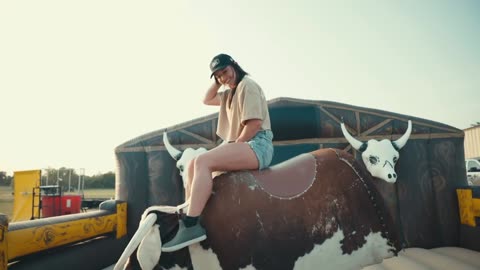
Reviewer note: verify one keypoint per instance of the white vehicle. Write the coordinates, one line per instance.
(473, 171)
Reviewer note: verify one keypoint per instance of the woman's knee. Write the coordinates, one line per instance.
(191, 169)
(202, 162)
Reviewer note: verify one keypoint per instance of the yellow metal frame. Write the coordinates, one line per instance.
(3, 241)
(469, 207)
(121, 220)
(24, 201)
(17, 243)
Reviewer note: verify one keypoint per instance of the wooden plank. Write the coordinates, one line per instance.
(374, 128)
(177, 127)
(347, 148)
(351, 130)
(330, 115)
(367, 138)
(346, 107)
(198, 137)
(387, 114)
(357, 118)
(300, 141)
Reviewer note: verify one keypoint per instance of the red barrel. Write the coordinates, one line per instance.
(71, 204)
(61, 205)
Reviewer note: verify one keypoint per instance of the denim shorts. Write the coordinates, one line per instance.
(262, 145)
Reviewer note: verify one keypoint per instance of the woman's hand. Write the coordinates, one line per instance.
(249, 130)
(216, 81)
(212, 97)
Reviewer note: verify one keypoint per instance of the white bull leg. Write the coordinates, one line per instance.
(148, 237)
(150, 249)
(141, 232)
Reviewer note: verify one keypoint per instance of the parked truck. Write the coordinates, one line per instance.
(473, 171)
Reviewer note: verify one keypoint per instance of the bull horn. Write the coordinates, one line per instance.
(143, 229)
(354, 142)
(175, 153)
(400, 142)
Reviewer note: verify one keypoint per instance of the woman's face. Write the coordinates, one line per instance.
(226, 76)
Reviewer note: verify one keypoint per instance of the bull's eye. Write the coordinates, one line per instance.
(373, 160)
(395, 159)
(180, 168)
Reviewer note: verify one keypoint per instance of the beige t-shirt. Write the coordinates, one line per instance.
(248, 103)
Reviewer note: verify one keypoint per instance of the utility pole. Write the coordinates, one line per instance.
(69, 179)
(81, 177)
(79, 181)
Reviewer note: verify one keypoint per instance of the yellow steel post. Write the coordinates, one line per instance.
(121, 219)
(3, 242)
(24, 203)
(469, 207)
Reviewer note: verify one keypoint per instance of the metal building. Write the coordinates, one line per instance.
(472, 142)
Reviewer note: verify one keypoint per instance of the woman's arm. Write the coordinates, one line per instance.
(212, 97)
(251, 128)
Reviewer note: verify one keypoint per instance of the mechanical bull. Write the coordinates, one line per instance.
(316, 210)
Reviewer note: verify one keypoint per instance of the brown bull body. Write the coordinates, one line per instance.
(249, 222)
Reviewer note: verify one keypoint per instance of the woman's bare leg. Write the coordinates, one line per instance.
(228, 157)
(190, 173)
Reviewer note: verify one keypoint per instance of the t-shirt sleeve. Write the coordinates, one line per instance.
(251, 103)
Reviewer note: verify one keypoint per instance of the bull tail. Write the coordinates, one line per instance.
(143, 230)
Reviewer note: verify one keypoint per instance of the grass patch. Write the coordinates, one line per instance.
(98, 193)
(6, 200)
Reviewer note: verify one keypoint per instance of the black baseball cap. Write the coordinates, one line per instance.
(220, 61)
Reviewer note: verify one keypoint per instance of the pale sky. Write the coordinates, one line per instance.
(78, 78)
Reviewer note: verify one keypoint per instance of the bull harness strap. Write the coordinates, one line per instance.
(380, 216)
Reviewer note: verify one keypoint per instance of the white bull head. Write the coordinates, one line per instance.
(182, 158)
(380, 157)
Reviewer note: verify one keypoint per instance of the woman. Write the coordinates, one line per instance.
(244, 123)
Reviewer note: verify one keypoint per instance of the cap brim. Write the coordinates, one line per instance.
(217, 69)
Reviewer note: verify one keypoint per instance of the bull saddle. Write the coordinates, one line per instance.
(288, 179)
